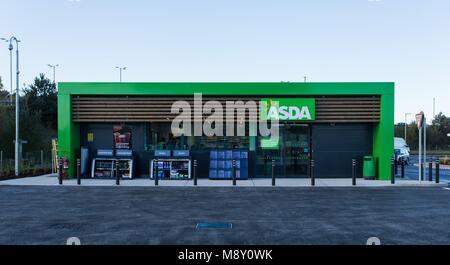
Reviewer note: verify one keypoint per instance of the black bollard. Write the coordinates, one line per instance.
(234, 173)
(273, 173)
(437, 171)
(421, 172)
(430, 172)
(403, 169)
(60, 171)
(354, 172)
(395, 167)
(78, 171)
(392, 171)
(116, 165)
(195, 173)
(313, 178)
(155, 172)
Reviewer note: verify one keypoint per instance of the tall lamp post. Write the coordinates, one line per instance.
(54, 71)
(17, 142)
(120, 71)
(406, 125)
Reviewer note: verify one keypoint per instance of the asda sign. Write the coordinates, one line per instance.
(288, 109)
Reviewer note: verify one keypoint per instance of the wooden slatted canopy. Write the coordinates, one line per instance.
(329, 109)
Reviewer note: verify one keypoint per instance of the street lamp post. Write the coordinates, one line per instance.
(406, 125)
(120, 71)
(434, 108)
(54, 71)
(17, 142)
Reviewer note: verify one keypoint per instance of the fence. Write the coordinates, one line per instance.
(32, 164)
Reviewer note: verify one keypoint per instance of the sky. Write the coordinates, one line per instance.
(401, 41)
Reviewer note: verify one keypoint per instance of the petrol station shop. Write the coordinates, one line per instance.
(125, 128)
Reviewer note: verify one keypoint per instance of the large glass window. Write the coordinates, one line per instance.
(158, 136)
(220, 142)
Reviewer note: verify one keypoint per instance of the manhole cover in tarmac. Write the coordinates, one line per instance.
(201, 226)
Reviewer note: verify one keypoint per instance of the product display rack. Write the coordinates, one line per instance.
(103, 168)
(106, 167)
(171, 168)
(125, 167)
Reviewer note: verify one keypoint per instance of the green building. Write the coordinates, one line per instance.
(343, 121)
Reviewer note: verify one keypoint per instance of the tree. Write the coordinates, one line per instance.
(37, 120)
(442, 122)
(437, 138)
(441, 126)
(3, 93)
(41, 97)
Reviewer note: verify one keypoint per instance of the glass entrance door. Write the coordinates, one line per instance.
(295, 150)
(291, 152)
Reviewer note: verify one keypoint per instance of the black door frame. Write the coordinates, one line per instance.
(283, 153)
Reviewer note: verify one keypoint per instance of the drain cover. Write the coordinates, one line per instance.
(214, 226)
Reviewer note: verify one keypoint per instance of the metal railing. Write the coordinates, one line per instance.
(30, 165)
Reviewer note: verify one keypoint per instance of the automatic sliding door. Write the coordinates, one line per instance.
(296, 150)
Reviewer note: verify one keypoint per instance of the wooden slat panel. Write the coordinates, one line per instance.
(330, 109)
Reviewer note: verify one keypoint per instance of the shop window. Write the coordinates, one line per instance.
(158, 136)
(220, 142)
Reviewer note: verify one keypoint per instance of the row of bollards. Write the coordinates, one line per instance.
(430, 171)
(195, 167)
(394, 172)
(394, 165)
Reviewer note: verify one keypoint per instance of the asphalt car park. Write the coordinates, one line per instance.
(224, 215)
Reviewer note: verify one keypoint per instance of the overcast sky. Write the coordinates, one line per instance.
(401, 41)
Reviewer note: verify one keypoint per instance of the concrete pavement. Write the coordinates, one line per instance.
(51, 180)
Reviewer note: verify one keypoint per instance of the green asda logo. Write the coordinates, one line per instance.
(288, 109)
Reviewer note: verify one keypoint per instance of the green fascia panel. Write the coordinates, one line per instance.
(383, 134)
(225, 88)
(68, 133)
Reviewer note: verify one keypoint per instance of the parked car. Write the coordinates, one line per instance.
(402, 150)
